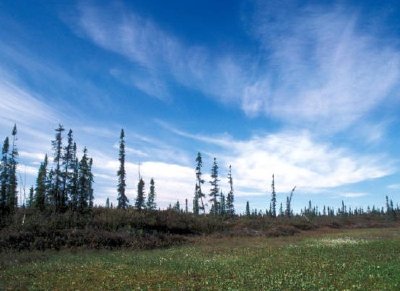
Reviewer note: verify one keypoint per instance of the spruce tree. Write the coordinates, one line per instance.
(247, 208)
(41, 186)
(122, 199)
(13, 182)
(4, 177)
(85, 181)
(68, 160)
(199, 195)
(214, 191)
(273, 198)
(289, 211)
(57, 193)
(29, 203)
(73, 186)
(151, 205)
(140, 198)
(230, 209)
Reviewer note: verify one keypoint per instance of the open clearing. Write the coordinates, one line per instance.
(346, 259)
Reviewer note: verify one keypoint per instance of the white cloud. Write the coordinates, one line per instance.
(353, 194)
(160, 57)
(296, 159)
(325, 70)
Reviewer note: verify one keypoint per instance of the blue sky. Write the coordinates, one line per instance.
(305, 90)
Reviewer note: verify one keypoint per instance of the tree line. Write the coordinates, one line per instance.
(65, 183)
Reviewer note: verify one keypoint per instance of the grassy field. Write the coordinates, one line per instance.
(367, 259)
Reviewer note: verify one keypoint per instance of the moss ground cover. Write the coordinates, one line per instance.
(367, 259)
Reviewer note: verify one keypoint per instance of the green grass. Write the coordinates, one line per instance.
(353, 259)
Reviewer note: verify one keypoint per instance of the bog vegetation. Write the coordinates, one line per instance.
(59, 211)
(340, 260)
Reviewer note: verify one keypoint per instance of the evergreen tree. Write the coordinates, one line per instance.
(85, 181)
(273, 198)
(214, 191)
(140, 198)
(13, 183)
(41, 186)
(29, 203)
(73, 186)
(4, 177)
(177, 206)
(289, 211)
(68, 160)
(230, 198)
(57, 193)
(186, 206)
(122, 199)
(247, 208)
(196, 202)
(151, 205)
(199, 195)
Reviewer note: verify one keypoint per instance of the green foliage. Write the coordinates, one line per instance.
(272, 209)
(230, 208)
(199, 195)
(214, 191)
(123, 201)
(355, 260)
(140, 198)
(151, 204)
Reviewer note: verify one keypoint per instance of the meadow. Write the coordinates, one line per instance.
(352, 259)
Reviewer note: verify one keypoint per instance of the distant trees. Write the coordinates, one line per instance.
(69, 183)
(122, 199)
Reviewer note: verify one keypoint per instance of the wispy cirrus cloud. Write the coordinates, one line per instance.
(314, 68)
(326, 70)
(160, 57)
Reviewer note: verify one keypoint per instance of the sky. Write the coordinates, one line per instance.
(305, 90)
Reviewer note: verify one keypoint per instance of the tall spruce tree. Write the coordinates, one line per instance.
(13, 183)
(230, 209)
(140, 198)
(151, 205)
(68, 160)
(74, 184)
(4, 177)
(199, 195)
(57, 176)
(85, 181)
(41, 186)
(122, 199)
(273, 198)
(214, 191)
